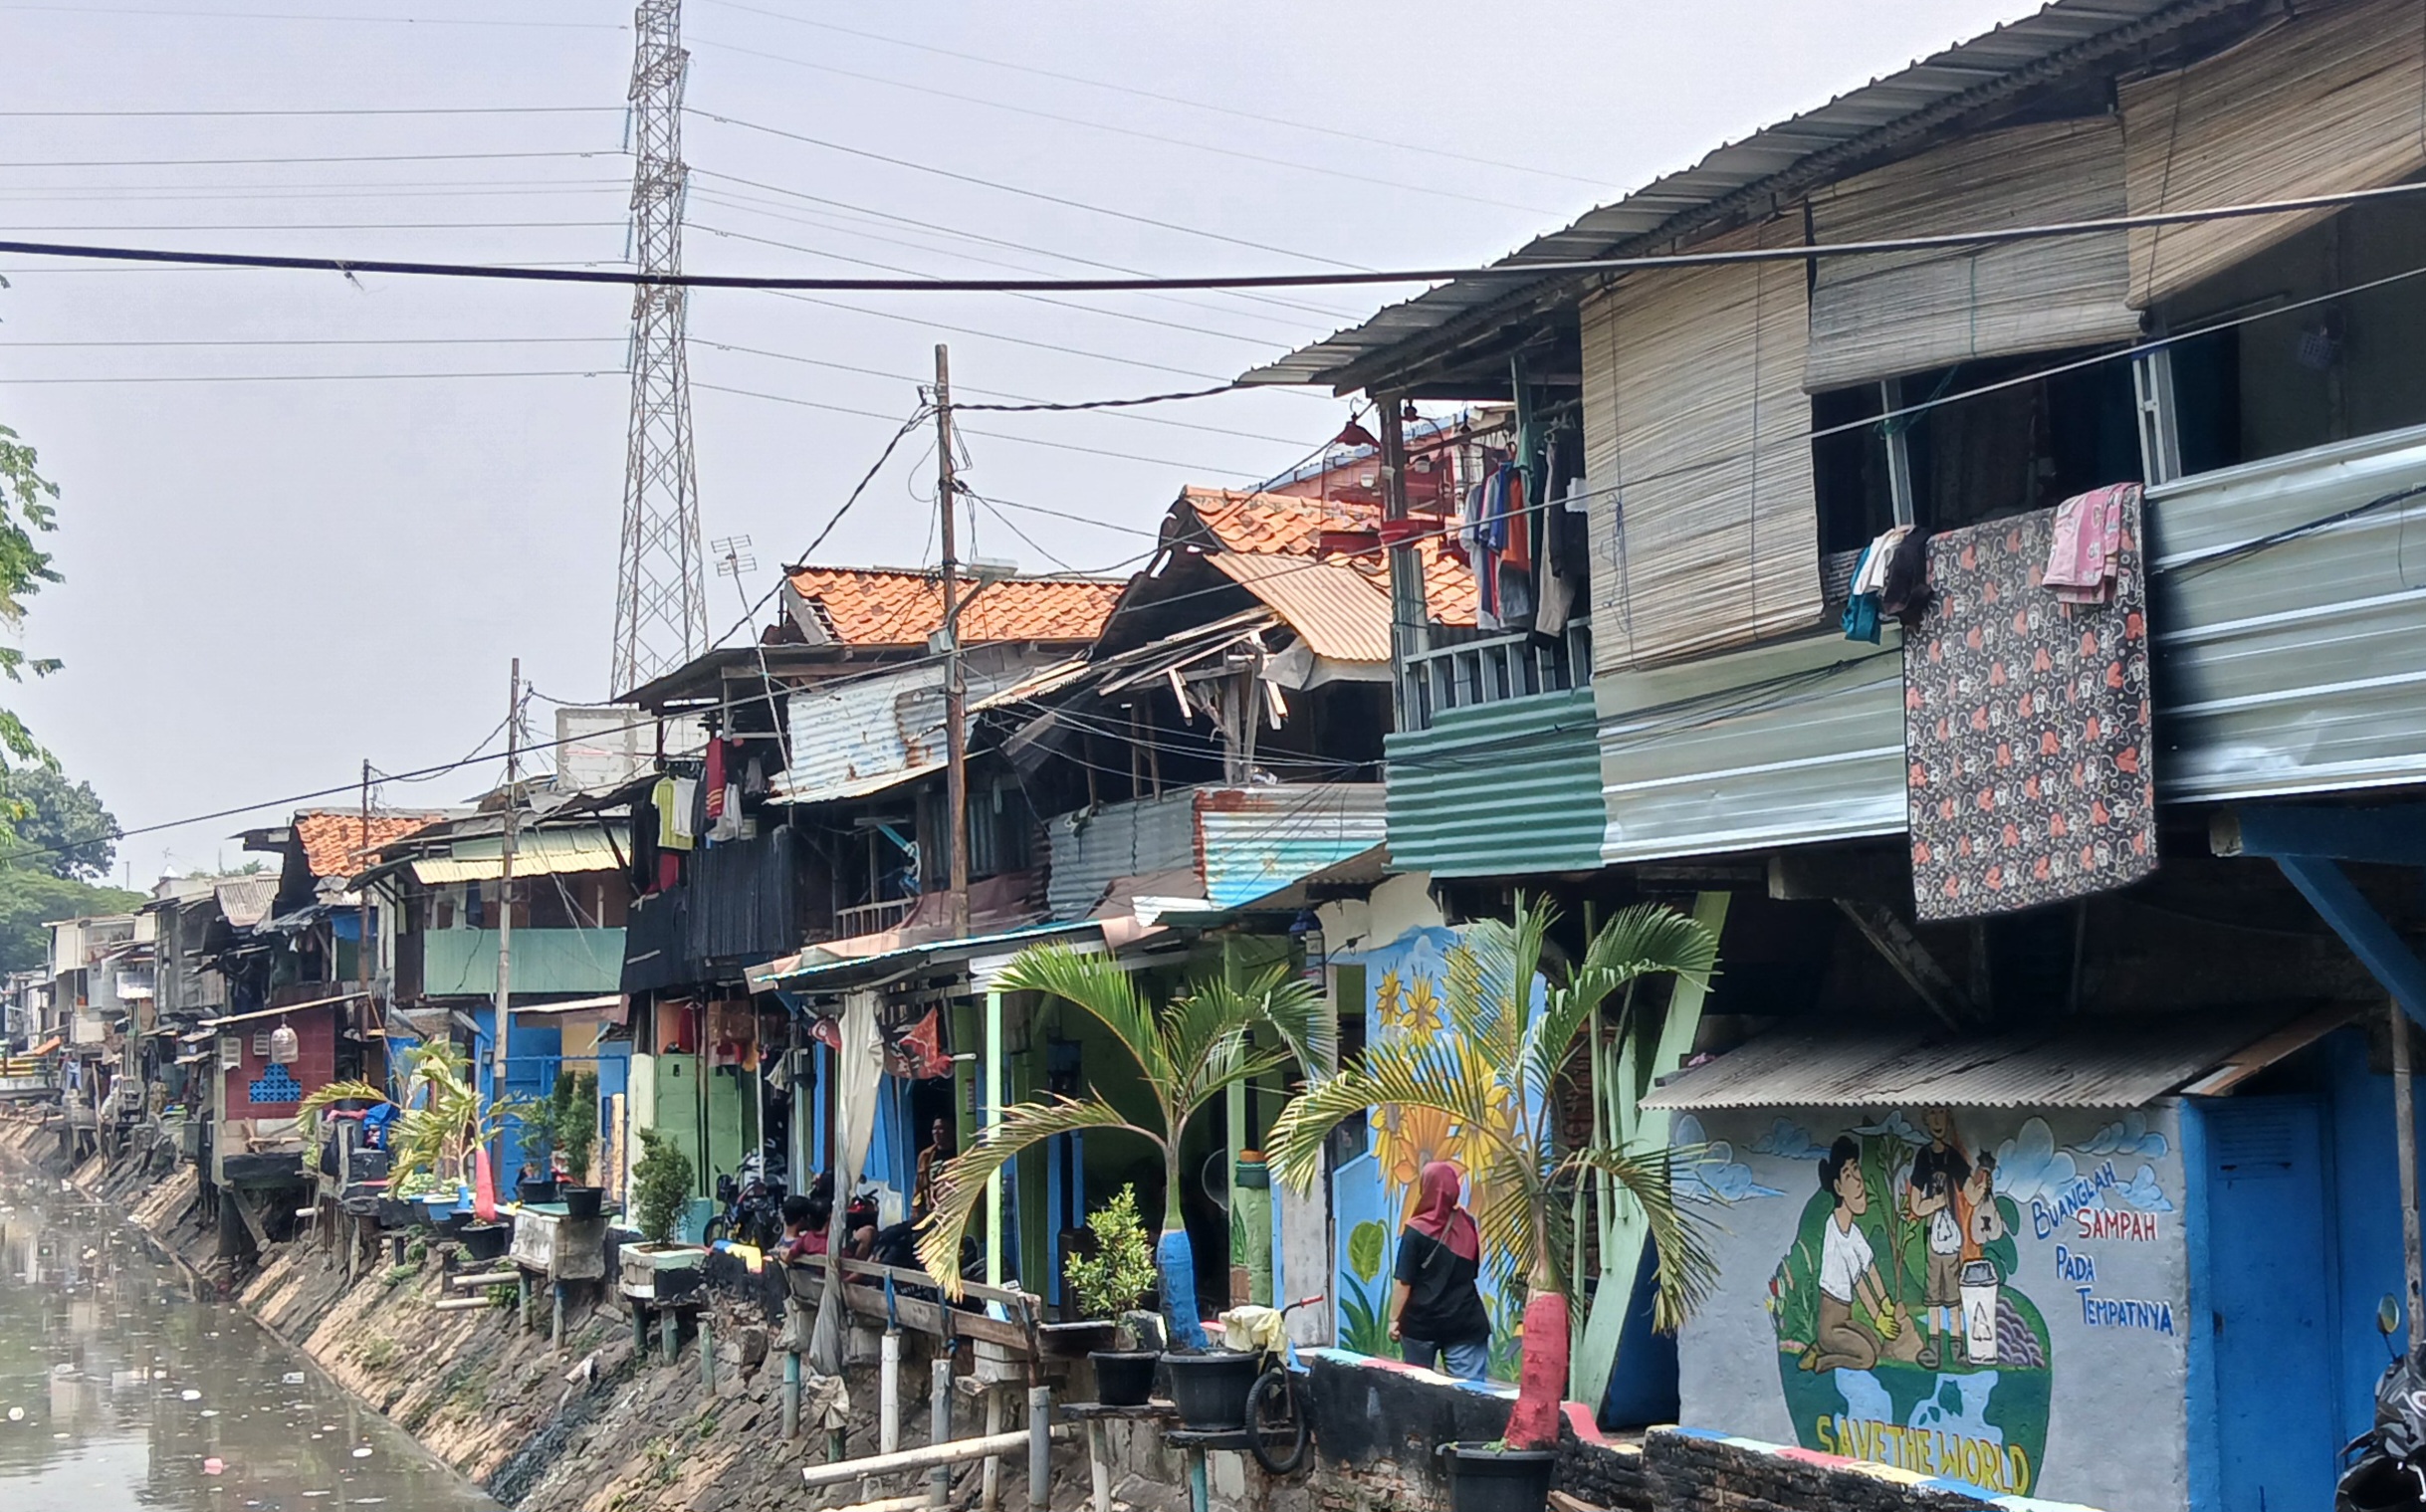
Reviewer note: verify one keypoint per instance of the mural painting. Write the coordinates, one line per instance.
(1931, 1276)
(1374, 1195)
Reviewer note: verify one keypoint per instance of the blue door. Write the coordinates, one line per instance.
(2270, 1313)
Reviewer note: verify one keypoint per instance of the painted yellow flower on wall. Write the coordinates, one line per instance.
(1423, 1008)
(1405, 1139)
(1386, 998)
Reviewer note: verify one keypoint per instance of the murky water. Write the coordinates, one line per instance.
(119, 1389)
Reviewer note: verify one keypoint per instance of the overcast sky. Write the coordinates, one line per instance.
(269, 580)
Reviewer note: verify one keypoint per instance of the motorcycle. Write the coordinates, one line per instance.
(752, 1208)
(2389, 1473)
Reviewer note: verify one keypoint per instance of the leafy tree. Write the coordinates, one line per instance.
(26, 509)
(61, 826)
(31, 899)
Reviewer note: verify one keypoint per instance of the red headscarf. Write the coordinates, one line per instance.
(1437, 1212)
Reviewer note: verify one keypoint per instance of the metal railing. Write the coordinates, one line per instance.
(1489, 669)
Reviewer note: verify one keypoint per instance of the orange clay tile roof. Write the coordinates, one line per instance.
(1293, 526)
(879, 607)
(334, 842)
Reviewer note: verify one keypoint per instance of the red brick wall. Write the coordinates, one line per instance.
(316, 1034)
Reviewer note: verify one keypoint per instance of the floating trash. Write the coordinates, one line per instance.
(362, 1454)
(16, 1415)
(213, 1465)
(292, 1377)
(190, 1395)
(210, 1411)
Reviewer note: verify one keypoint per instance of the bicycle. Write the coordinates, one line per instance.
(1278, 1425)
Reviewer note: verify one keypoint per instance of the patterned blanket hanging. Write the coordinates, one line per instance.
(2025, 727)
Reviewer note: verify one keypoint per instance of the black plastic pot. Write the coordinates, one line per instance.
(486, 1241)
(1487, 1479)
(397, 1213)
(452, 1223)
(529, 1191)
(1210, 1388)
(581, 1202)
(1123, 1378)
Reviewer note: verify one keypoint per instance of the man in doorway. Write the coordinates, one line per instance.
(1939, 1195)
(1847, 1272)
(937, 1151)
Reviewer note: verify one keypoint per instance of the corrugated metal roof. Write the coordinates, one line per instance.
(1781, 744)
(246, 902)
(2300, 667)
(1254, 839)
(878, 729)
(2113, 1062)
(1237, 844)
(539, 853)
(1496, 789)
(1090, 851)
(1854, 130)
(1328, 603)
(2295, 668)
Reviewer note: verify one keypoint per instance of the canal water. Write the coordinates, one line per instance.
(119, 1388)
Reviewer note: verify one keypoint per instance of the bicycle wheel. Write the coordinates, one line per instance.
(1276, 1421)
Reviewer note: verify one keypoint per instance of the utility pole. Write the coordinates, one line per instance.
(955, 690)
(362, 923)
(661, 600)
(504, 885)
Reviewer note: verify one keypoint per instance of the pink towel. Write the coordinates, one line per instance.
(2087, 542)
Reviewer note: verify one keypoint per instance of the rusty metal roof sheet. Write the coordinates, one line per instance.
(2109, 1062)
(1854, 130)
(1328, 603)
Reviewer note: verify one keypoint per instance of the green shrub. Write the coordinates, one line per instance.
(1112, 1280)
(661, 1187)
(576, 1120)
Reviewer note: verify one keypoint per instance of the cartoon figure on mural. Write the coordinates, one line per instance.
(1901, 1334)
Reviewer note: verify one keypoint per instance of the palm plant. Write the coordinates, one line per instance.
(1187, 1051)
(443, 1122)
(1492, 1075)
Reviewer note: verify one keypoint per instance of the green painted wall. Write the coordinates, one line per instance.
(462, 962)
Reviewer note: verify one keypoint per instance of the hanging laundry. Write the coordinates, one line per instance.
(2085, 545)
(1556, 600)
(1905, 591)
(673, 806)
(715, 784)
(1861, 618)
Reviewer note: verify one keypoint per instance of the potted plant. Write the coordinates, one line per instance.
(576, 1140)
(430, 1142)
(1189, 1053)
(537, 1180)
(658, 1269)
(1104, 1286)
(1492, 1074)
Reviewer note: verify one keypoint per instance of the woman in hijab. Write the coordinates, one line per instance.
(1436, 1311)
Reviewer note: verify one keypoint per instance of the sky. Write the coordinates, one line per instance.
(307, 520)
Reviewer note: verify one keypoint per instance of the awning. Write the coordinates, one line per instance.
(539, 853)
(861, 788)
(47, 1047)
(1337, 611)
(2115, 1062)
(280, 1010)
(577, 1004)
(839, 964)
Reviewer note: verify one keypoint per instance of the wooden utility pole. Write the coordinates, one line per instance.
(955, 690)
(505, 884)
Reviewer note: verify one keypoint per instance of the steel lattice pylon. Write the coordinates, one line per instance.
(661, 600)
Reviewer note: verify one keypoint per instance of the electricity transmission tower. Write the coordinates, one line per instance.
(661, 600)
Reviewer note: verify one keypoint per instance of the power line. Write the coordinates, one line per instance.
(1004, 189)
(1293, 165)
(283, 341)
(361, 225)
(378, 157)
(300, 378)
(166, 14)
(1527, 270)
(1260, 117)
(468, 109)
(994, 335)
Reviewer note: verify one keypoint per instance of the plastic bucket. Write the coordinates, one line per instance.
(581, 1202)
(1484, 1479)
(1210, 1388)
(486, 1241)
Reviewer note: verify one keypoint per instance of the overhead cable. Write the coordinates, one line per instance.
(1943, 242)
